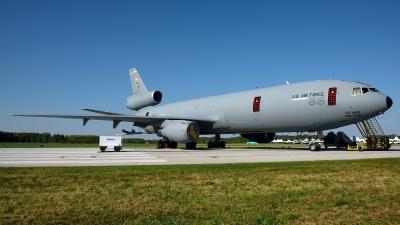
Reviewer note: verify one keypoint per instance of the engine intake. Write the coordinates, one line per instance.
(260, 137)
(181, 131)
(136, 102)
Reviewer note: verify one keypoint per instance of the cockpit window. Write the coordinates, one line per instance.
(357, 91)
(373, 90)
(363, 90)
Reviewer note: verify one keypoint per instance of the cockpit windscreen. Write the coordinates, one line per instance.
(363, 90)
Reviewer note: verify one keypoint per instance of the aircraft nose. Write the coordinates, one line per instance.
(389, 102)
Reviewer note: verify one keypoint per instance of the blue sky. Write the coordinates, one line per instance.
(57, 57)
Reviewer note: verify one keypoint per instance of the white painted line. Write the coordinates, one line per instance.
(296, 99)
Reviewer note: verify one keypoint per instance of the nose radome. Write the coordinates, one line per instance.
(389, 102)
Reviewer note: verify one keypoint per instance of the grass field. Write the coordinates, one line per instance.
(323, 192)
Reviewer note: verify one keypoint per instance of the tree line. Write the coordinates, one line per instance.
(90, 139)
(32, 137)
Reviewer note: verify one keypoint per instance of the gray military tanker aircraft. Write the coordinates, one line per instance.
(255, 114)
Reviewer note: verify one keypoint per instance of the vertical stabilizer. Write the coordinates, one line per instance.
(138, 86)
(141, 97)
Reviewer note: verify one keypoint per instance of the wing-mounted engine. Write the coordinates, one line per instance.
(260, 137)
(139, 101)
(180, 131)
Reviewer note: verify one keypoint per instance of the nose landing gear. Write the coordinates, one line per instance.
(315, 147)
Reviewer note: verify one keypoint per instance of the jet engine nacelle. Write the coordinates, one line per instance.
(181, 131)
(136, 102)
(260, 137)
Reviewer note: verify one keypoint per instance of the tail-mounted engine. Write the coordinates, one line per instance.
(136, 102)
(260, 137)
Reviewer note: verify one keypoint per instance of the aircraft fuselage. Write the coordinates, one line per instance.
(306, 106)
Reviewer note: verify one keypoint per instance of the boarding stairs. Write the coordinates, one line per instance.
(373, 134)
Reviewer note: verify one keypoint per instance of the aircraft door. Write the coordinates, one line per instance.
(326, 109)
(256, 107)
(334, 107)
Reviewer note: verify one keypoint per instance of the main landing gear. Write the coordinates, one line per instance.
(167, 144)
(173, 145)
(191, 145)
(217, 143)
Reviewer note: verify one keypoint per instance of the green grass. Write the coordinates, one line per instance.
(322, 192)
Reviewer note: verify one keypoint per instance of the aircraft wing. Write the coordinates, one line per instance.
(119, 118)
(102, 112)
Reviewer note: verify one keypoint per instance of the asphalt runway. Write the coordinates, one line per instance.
(35, 157)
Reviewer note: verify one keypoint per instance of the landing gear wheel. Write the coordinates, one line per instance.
(210, 144)
(160, 144)
(117, 148)
(222, 144)
(191, 145)
(174, 144)
(315, 147)
(167, 144)
(216, 144)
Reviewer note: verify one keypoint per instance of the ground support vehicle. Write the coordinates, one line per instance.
(110, 142)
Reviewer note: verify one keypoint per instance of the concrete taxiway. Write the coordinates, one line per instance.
(33, 157)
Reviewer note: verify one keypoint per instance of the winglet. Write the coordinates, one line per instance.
(138, 85)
